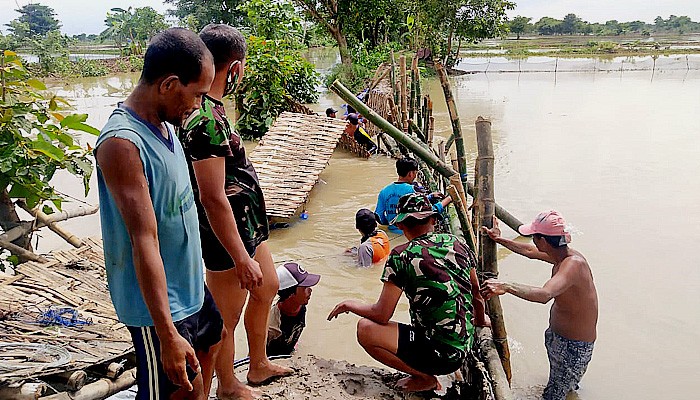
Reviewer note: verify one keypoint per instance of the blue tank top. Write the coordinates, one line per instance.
(165, 169)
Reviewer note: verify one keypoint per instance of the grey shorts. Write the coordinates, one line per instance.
(568, 360)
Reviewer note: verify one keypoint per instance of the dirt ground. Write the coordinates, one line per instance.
(317, 378)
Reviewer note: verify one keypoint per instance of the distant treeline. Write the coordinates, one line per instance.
(573, 25)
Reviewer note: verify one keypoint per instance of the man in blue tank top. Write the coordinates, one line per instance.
(150, 226)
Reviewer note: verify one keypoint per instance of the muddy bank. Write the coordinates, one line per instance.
(317, 378)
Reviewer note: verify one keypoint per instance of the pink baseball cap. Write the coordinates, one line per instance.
(548, 223)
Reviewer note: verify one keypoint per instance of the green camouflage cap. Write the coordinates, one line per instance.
(416, 205)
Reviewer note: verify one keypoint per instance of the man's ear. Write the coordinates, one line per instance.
(168, 83)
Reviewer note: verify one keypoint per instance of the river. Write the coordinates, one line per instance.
(616, 153)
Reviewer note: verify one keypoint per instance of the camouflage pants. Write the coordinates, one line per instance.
(568, 360)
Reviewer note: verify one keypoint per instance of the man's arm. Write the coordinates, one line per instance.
(211, 179)
(379, 312)
(122, 169)
(558, 284)
(480, 318)
(524, 249)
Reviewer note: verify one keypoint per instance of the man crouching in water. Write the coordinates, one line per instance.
(438, 274)
(574, 314)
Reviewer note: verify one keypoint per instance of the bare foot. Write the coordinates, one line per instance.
(266, 373)
(240, 392)
(416, 383)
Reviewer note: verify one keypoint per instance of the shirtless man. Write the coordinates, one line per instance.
(572, 320)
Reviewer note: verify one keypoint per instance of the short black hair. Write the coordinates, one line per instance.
(284, 294)
(175, 51)
(225, 42)
(554, 241)
(405, 165)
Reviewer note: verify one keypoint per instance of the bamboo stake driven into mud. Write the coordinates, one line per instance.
(426, 155)
(456, 126)
(403, 94)
(485, 210)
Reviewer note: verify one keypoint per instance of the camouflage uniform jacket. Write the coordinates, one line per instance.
(433, 271)
(208, 134)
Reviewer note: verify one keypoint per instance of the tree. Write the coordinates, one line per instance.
(35, 20)
(332, 14)
(570, 25)
(548, 26)
(196, 14)
(36, 140)
(136, 26)
(274, 20)
(519, 25)
(456, 20)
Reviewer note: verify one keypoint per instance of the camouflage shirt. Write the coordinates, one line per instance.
(209, 134)
(433, 271)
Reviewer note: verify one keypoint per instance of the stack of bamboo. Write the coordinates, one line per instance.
(73, 278)
(290, 158)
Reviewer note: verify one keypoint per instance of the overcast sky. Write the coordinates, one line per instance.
(87, 16)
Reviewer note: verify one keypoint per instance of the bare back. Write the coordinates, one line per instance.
(574, 314)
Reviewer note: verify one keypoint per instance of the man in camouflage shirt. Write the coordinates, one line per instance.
(232, 218)
(437, 273)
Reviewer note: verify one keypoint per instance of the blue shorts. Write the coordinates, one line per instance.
(201, 329)
(568, 361)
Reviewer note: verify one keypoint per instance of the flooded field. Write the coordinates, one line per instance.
(616, 153)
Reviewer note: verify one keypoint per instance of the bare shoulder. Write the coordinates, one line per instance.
(117, 151)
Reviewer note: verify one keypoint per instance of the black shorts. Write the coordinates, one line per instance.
(215, 255)
(201, 329)
(425, 355)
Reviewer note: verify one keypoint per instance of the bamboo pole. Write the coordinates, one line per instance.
(16, 232)
(23, 253)
(99, 389)
(42, 217)
(404, 95)
(412, 98)
(26, 391)
(426, 155)
(393, 78)
(414, 128)
(486, 207)
(419, 102)
(456, 127)
(464, 222)
(485, 342)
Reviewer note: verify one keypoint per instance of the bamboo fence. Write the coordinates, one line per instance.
(290, 158)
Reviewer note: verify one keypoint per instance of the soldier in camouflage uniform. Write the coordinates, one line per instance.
(233, 221)
(437, 274)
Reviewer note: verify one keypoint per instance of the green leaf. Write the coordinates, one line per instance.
(47, 210)
(18, 191)
(36, 84)
(77, 122)
(48, 149)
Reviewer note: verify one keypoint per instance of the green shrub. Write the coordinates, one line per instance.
(274, 72)
(88, 68)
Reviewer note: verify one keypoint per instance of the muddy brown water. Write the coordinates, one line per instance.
(617, 154)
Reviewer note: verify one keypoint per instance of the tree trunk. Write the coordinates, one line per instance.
(339, 37)
(9, 219)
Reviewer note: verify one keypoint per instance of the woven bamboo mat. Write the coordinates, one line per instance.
(290, 158)
(73, 278)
